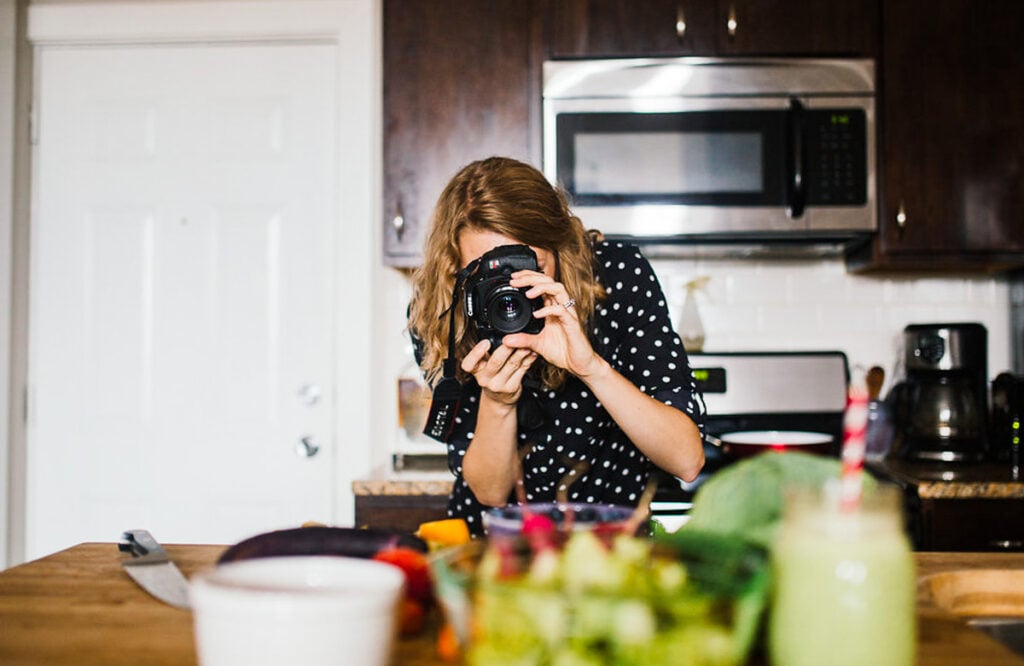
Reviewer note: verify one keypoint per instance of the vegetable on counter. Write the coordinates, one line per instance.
(745, 499)
(596, 600)
(444, 533)
(321, 540)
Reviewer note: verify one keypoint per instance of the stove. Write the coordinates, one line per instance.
(758, 391)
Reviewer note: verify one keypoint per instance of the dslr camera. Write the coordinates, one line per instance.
(492, 304)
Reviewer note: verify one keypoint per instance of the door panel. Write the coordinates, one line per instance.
(181, 291)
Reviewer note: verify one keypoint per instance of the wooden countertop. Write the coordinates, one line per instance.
(77, 607)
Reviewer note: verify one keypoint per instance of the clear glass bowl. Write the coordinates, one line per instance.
(566, 516)
(694, 599)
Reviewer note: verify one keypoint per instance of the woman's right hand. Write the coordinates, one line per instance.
(499, 373)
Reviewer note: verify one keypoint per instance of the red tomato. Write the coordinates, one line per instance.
(412, 617)
(417, 572)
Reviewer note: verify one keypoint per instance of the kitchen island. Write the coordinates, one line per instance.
(78, 607)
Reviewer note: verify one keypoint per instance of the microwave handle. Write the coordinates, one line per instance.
(797, 182)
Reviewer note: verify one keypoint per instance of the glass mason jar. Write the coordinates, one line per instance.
(844, 582)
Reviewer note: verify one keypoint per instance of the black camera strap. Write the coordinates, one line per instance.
(448, 391)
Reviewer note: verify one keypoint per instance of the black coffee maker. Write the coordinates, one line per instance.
(940, 409)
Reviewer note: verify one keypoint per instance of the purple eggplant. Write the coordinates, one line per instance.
(343, 541)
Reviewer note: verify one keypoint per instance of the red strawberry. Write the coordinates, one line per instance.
(417, 572)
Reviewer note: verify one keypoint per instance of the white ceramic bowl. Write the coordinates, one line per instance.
(309, 610)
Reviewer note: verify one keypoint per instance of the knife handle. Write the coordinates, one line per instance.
(143, 547)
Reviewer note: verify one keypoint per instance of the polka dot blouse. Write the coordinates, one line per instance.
(576, 450)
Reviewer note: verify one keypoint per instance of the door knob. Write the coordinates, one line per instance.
(309, 394)
(306, 447)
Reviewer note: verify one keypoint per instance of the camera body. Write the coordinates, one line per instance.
(492, 304)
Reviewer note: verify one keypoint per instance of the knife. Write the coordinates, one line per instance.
(152, 569)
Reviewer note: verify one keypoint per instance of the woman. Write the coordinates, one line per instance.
(580, 410)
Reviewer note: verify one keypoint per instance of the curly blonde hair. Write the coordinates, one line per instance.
(514, 199)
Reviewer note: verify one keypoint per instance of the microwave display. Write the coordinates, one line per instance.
(766, 157)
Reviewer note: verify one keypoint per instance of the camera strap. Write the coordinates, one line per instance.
(448, 391)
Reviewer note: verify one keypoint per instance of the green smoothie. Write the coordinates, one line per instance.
(844, 586)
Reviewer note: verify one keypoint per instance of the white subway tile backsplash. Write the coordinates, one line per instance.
(940, 292)
(815, 304)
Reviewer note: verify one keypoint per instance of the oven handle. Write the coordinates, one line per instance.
(797, 184)
(670, 507)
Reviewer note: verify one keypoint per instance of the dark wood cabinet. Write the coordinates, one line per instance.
(461, 81)
(622, 28)
(404, 513)
(972, 525)
(951, 137)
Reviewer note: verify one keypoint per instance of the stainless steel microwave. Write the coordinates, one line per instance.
(714, 149)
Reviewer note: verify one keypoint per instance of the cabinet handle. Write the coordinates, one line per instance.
(680, 22)
(398, 221)
(1006, 544)
(901, 220)
(731, 24)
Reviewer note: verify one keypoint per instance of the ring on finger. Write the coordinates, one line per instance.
(569, 304)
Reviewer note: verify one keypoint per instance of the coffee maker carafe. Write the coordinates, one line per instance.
(940, 409)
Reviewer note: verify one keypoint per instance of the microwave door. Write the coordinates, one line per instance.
(710, 158)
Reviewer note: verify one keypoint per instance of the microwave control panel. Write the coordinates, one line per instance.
(836, 152)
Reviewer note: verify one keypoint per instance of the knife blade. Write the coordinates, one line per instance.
(152, 569)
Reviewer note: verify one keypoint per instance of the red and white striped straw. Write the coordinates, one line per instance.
(855, 425)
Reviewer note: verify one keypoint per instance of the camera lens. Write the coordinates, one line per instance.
(508, 310)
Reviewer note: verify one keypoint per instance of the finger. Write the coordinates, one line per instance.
(475, 356)
(499, 357)
(527, 278)
(516, 362)
(553, 292)
(557, 311)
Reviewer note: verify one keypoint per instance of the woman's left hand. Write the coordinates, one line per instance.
(562, 341)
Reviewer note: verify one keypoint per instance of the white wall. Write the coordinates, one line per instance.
(773, 305)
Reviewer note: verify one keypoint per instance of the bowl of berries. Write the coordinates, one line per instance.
(560, 518)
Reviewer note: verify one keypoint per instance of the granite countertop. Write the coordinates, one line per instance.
(405, 483)
(932, 480)
(953, 480)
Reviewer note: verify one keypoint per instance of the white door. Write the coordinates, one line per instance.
(181, 321)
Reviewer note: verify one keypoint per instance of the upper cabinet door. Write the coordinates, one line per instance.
(461, 82)
(622, 28)
(797, 27)
(953, 138)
